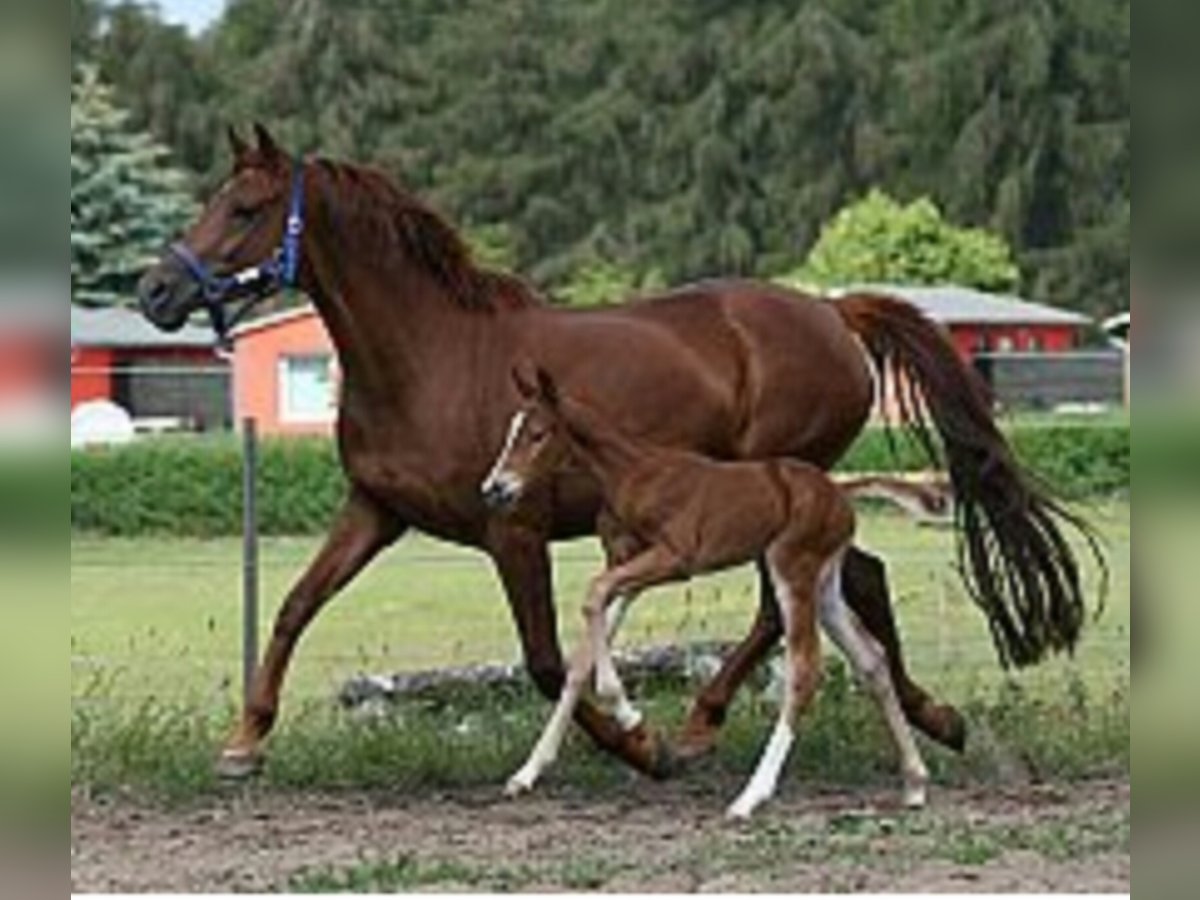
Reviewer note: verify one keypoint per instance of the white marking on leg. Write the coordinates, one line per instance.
(497, 476)
(609, 686)
(765, 781)
(550, 742)
(870, 663)
(763, 784)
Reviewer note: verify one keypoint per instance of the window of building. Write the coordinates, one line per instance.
(306, 389)
(1005, 344)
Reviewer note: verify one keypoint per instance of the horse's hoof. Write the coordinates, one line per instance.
(691, 746)
(946, 725)
(239, 765)
(955, 729)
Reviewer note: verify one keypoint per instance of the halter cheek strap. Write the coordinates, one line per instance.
(253, 284)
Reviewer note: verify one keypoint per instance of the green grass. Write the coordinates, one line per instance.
(162, 617)
(154, 636)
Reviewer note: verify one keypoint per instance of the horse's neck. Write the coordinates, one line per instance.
(391, 325)
(606, 452)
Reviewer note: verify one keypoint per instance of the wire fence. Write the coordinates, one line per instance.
(162, 617)
(153, 617)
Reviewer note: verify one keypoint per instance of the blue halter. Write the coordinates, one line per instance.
(254, 284)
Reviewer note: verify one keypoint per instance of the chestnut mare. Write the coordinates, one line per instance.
(675, 514)
(736, 370)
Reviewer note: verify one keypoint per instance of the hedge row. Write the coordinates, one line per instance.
(192, 487)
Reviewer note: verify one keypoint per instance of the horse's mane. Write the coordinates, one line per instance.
(383, 217)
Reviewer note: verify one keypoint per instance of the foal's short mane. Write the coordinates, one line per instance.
(384, 217)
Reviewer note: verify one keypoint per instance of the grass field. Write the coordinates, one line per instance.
(162, 617)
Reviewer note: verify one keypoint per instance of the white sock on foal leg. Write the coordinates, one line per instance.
(765, 781)
(546, 750)
(609, 686)
(763, 784)
(870, 662)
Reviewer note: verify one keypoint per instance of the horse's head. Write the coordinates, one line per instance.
(240, 250)
(536, 444)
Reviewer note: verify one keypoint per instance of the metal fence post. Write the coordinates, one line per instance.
(249, 553)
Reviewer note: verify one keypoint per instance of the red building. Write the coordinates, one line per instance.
(981, 323)
(178, 380)
(285, 373)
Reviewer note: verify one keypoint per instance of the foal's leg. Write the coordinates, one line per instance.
(549, 743)
(360, 531)
(870, 662)
(796, 583)
(523, 563)
(623, 583)
(708, 712)
(866, 590)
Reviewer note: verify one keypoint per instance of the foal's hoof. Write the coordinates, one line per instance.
(239, 765)
(517, 787)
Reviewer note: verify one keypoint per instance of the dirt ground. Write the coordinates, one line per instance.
(656, 838)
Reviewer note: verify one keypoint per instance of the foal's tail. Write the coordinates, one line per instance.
(1015, 560)
(924, 498)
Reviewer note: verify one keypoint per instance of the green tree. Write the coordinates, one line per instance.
(126, 200)
(880, 241)
(600, 283)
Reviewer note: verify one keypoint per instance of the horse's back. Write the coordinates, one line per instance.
(806, 386)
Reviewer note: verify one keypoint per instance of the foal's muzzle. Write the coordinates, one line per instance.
(500, 493)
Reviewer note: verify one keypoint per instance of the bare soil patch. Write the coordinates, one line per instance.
(654, 838)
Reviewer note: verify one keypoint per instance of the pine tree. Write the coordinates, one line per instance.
(127, 202)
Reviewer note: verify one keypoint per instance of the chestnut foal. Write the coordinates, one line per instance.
(677, 514)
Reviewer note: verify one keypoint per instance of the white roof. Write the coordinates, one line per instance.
(953, 305)
(119, 327)
(273, 319)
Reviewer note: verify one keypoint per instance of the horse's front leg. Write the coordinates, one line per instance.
(359, 532)
(522, 560)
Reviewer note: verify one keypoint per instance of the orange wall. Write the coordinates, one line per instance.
(256, 359)
(90, 378)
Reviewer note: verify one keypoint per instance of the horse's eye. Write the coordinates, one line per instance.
(244, 213)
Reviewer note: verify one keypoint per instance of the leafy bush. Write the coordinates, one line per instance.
(879, 241)
(192, 487)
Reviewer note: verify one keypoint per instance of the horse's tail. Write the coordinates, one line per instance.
(1015, 560)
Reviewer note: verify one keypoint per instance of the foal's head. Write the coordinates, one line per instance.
(536, 444)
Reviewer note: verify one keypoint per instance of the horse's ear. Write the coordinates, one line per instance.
(267, 148)
(547, 389)
(237, 146)
(525, 380)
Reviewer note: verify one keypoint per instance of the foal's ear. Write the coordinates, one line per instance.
(547, 389)
(525, 379)
(237, 146)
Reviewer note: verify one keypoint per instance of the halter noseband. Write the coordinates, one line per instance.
(254, 284)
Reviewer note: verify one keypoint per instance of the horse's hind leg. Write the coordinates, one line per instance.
(796, 581)
(871, 664)
(866, 591)
(709, 709)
